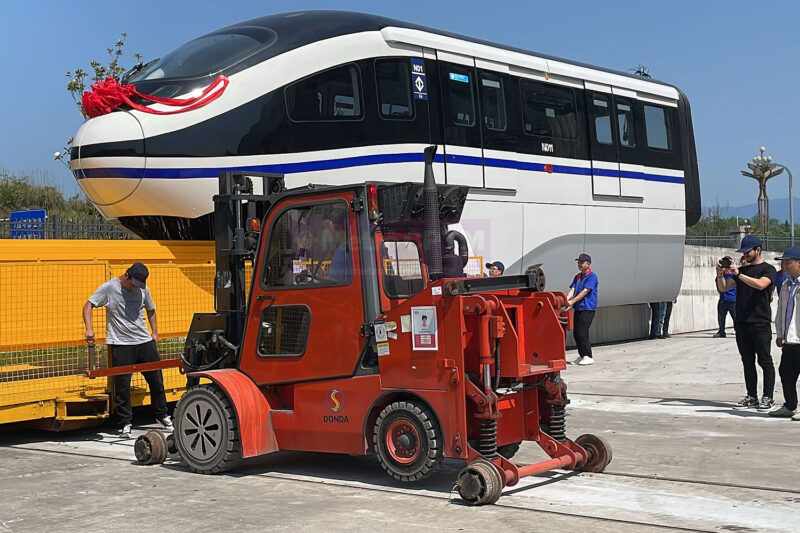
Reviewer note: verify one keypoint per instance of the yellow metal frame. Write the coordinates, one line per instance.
(43, 287)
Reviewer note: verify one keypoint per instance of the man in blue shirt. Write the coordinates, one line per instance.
(727, 302)
(583, 298)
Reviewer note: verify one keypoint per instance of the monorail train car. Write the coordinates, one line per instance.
(561, 157)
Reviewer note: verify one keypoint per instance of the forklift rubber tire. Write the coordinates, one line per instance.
(480, 483)
(509, 450)
(150, 448)
(599, 451)
(172, 447)
(407, 441)
(206, 430)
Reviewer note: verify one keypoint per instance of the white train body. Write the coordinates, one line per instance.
(561, 157)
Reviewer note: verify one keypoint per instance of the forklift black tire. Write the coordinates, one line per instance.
(509, 450)
(172, 447)
(407, 441)
(150, 448)
(480, 483)
(599, 451)
(206, 431)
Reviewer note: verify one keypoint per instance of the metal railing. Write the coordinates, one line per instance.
(55, 227)
(771, 243)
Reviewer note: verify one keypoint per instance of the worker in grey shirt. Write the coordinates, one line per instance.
(128, 340)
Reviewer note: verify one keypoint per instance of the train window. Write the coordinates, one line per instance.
(460, 103)
(331, 95)
(602, 120)
(206, 55)
(309, 247)
(394, 88)
(493, 102)
(548, 111)
(402, 271)
(656, 127)
(627, 134)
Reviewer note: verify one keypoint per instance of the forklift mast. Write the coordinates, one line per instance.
(235, 208)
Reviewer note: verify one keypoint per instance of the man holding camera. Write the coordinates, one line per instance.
(753, 281)
(787, 332)
(727, 299)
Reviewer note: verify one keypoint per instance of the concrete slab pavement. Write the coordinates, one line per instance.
(684, 459)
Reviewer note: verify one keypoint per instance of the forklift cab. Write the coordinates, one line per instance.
(307, 298)
(331, 261)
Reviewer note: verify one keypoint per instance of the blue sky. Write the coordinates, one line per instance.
(736, 60)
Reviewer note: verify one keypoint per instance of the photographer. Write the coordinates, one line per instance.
(753, 281)
(727, 298)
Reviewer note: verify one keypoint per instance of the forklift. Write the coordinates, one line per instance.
(361, 334)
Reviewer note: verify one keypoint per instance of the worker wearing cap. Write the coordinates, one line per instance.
(583, 298)
(128, 340)
(787, 332)
(495, 269)
(753, 323)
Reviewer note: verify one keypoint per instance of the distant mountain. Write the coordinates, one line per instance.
(778, 209)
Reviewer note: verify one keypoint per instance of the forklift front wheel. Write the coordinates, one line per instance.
(407, 440)
(599, 451)
(206, 432)
(480, 483)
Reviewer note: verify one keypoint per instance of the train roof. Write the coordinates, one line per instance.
(305, 27)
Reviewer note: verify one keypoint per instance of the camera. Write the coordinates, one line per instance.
(725, 262)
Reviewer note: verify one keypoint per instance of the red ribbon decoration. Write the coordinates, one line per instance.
(108, 95)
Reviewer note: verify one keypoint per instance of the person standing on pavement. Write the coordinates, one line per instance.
(727, 299)
(667, 317)
(582, 297)
(128, 340)
(787, 332)
(753, 324)
(657, 312)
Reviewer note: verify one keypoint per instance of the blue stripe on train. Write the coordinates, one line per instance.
(365, 160)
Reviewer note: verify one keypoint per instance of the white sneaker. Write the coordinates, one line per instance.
(586, 361)
(577, 361)
(165, 422)
(125, 432)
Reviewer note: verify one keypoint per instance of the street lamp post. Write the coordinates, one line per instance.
(761, 169)
(791, 202)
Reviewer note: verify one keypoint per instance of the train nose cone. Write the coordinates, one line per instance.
(107, 157)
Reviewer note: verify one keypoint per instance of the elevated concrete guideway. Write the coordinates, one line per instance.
(684, 460)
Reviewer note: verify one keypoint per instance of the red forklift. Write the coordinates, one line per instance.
(361, 335)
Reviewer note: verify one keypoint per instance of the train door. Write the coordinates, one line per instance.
(460, 119)
(603, 140)
(306, 306)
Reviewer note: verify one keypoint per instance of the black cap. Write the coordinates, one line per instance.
(138, 273)
(500, 266)
(584, 257)
(748, 243)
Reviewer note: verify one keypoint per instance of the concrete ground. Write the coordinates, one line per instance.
(685, 459)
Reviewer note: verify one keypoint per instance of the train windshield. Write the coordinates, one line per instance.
(207, 55)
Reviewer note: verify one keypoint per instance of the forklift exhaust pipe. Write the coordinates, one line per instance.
(432, 236)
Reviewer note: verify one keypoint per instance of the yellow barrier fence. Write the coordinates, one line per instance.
(43, 287)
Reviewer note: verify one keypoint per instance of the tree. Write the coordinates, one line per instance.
(112, 67)
(17, 192)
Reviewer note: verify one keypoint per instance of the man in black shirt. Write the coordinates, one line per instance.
(753, 324)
